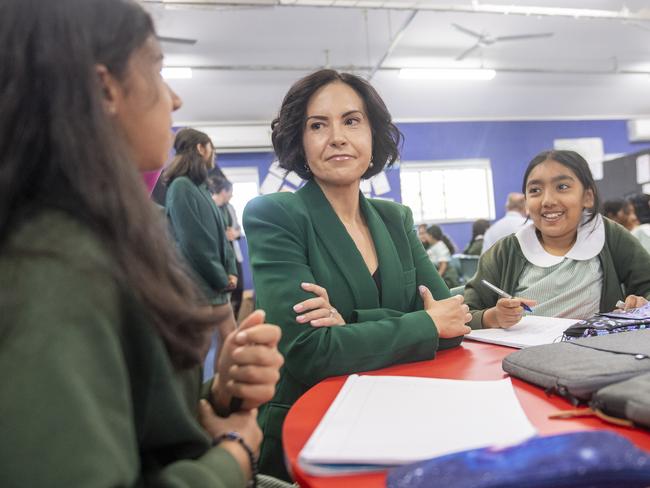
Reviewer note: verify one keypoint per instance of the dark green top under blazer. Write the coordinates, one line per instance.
(295, 238)
(198, 228)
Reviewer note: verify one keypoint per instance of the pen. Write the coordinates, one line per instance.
(503, 294)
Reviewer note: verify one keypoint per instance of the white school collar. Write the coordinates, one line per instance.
(589, 243)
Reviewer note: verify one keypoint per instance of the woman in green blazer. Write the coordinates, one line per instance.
(338, 272)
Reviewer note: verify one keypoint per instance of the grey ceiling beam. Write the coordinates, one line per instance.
(357, 68)
(473, 7)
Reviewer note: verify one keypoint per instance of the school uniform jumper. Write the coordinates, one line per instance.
(623, 262)
(200, 233)
(89, 395)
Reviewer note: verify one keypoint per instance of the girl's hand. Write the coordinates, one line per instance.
(449, 315)
(634, 301)
(244, 423)
(506, 313)
(318, 311)
(249, 364)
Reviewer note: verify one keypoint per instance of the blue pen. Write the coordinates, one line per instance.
(503, 294)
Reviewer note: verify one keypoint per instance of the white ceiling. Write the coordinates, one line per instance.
(248, 56)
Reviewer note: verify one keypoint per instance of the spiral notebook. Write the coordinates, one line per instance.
(377, 422)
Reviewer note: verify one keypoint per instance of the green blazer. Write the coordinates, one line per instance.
(296, 238)
(199, 230)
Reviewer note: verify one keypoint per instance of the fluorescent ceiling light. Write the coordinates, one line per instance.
(446, 74)
(176, 73)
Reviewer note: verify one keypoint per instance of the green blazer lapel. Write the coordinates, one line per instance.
(340, 246)
(390, 266)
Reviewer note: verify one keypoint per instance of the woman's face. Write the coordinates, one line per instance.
(555, 199)
(337, 137)
(143, 107)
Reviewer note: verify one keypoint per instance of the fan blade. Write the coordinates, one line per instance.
(467, 31)
(465, 53)
(523, 36)
(176, 40)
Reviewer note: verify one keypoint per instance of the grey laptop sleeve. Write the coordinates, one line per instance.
(628, 399)
(577, 369)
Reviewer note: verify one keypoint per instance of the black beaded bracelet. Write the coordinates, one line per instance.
(235, 436)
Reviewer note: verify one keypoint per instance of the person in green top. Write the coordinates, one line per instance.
(102, 330)
(568, 261)
(479, 227)
(345, 277)
(197, 224)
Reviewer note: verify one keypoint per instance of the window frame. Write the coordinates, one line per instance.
(420, 166)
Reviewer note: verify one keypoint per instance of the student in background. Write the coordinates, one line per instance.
(510, 223)
(622, 212)
(422, 235)
(439, 252)
(641, 204)
(102, 331)
(221, 190)
(479, 227)
(344, 276)
(568, 261)
(197, 224)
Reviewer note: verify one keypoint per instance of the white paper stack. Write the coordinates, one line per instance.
(532, 330)
(377, 422)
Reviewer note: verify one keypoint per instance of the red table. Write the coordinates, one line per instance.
(470, 361)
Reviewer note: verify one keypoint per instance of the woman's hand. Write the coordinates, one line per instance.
(244, 423)
(249, 364)
(634, 301)
(317, 311)
(449, 315)
(506, 313)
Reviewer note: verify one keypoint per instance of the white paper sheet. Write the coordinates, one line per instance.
(271, 184)
(532, 330)
(380, 183)
(276, 170)
(643, 168)
(366, 187)
(294, 179)
(392, 420)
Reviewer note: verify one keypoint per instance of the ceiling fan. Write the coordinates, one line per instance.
(485, 39)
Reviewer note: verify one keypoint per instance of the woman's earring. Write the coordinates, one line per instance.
(307, 169)
(371, 163)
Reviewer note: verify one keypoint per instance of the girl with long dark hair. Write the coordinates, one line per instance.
(101, 330)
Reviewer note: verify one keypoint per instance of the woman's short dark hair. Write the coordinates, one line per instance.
(188, 161)
(288, 127)
(59, 149)
(576, 163)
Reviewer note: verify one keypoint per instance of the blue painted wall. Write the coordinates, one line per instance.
(508, 145)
